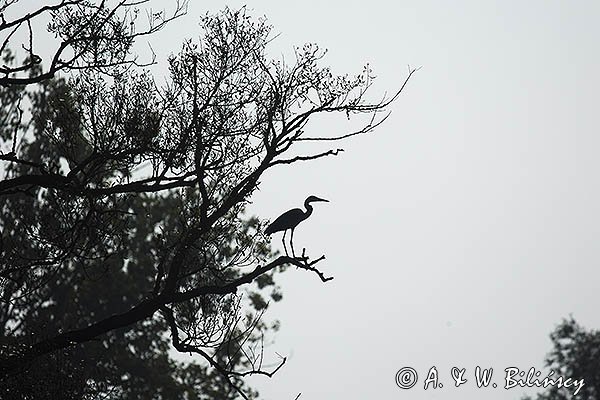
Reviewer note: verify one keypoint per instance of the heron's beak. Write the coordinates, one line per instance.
(318, 199)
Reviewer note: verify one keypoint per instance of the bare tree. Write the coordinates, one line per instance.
(90, 34)
(108, 146)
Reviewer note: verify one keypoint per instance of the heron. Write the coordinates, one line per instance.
(290, 220)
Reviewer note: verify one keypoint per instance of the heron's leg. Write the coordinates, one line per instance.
(292, 243)
(283, 241)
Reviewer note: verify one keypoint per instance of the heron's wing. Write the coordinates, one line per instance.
(287, 220)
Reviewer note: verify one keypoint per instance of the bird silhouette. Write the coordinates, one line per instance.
(290, 220)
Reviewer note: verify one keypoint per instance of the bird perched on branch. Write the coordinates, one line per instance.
(290, 220)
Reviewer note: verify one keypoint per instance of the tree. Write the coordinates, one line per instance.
(575, 355)
(128, 197)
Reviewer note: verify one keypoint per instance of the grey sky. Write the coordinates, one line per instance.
(465, 228)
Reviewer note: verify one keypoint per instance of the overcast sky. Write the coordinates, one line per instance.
(465, 228)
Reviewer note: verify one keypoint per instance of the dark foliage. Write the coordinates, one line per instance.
(575, 355)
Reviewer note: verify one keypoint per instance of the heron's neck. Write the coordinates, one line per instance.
(309, 209)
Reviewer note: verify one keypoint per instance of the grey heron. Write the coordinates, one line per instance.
(290, 220)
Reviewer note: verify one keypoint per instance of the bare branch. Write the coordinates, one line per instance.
(307, 158)
(372, 124)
